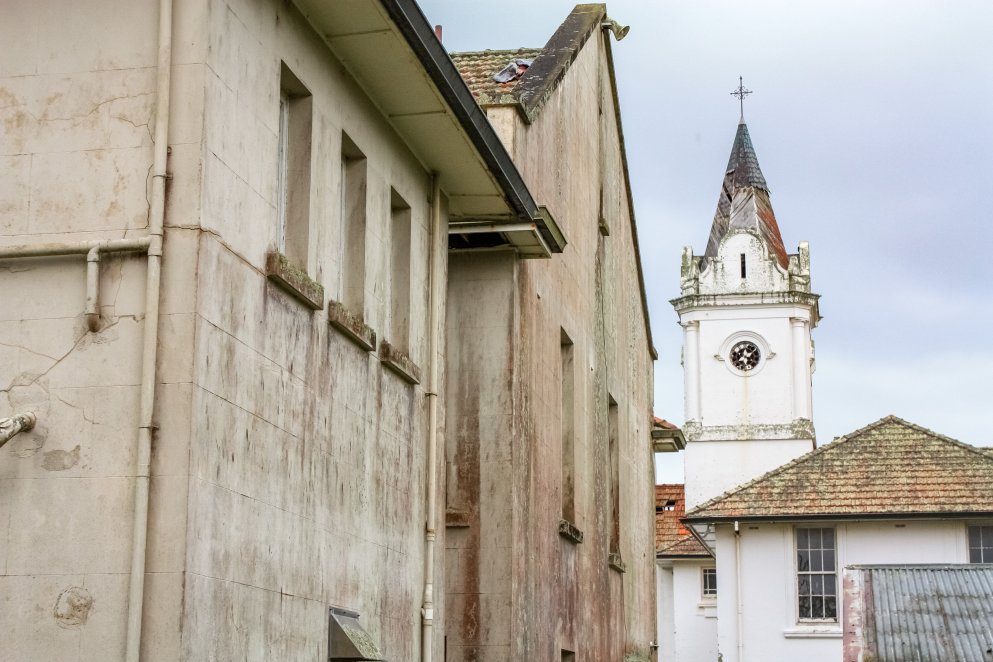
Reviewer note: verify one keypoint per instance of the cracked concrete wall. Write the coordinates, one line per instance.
(77, 94)
(523, 591)
(288, 465)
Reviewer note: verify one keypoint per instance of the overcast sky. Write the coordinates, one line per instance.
(873, 124)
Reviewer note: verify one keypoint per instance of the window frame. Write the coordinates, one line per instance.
(798, 574)
(985, 551)
(704, 594)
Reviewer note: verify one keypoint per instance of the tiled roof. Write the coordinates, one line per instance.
(671, 537)
(931, 613)
(664, 424)
(531, 89)
(744, 200)
(889, 468)
(477, 70)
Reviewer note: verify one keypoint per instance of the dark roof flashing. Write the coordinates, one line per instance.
(548, 69)
(421, 38)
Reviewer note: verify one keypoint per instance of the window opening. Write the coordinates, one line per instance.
(399, 271)
(817, 585)
(568, 375)
(742, 265)
(293, 183)
(353, 226)
(615, 477)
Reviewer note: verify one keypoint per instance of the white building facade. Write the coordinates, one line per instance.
(890, 493)
(747, 313)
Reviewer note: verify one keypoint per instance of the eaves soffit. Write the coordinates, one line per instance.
(377, 56)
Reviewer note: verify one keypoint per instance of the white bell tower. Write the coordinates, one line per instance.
(747, 312)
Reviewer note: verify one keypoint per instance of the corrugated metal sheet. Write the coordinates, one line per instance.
(926, 613)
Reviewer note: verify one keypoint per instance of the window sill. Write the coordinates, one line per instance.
(570, 531)
(294, 281)
(616, 563)
(814, 631)
(456, 519)
(707, 607)
(351, 326)
(399, 363)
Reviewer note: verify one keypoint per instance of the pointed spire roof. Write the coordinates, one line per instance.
(744, 200)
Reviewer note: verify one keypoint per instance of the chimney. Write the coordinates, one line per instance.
(437, 32)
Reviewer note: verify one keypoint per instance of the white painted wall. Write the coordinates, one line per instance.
(768, 585)
(687, 623)
(744, 424)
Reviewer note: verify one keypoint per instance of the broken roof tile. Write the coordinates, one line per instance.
(479, 68)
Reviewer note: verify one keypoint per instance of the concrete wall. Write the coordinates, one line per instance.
(768, 583)
(288, 464)
(525, 592)
(77, 83)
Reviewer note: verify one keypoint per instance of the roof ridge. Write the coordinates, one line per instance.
(920, 428)
(495, 51)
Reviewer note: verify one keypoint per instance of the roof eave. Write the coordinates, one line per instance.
(421, 37)
(819, 517)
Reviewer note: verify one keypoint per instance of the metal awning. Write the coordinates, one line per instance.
(347, 640)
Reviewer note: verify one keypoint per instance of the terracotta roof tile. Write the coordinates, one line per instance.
(671, 537)
(891, 467)
(477, 70)
(664, 424)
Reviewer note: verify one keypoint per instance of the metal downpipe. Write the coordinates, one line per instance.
(156, 221)
(435, 300)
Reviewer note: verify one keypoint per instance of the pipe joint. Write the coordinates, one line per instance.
(93, 289)
(155, 245)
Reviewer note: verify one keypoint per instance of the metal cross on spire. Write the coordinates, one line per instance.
(741, 93)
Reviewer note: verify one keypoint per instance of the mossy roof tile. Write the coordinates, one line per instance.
(891, 467)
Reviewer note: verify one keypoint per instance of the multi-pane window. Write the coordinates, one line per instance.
(816, 569)
(981, 544)
(708, 578)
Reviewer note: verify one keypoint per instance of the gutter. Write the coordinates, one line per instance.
(839, 517)
(416, 30)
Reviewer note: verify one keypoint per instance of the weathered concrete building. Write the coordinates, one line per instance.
(550, 508)
(222, 266)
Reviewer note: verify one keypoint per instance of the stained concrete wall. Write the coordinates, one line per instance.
(288, 464)
(523, 591)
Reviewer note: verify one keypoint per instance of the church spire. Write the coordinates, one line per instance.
(744, 200)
